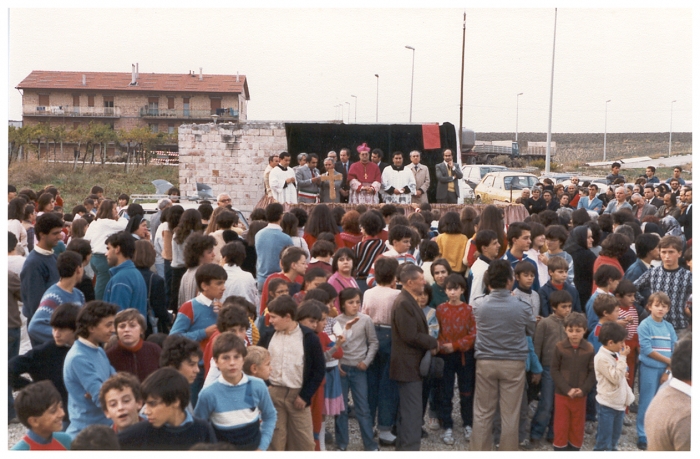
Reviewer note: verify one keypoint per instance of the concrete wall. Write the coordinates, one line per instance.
(229, 157)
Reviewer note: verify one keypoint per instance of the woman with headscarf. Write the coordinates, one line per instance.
(138, 227)
(578, 246)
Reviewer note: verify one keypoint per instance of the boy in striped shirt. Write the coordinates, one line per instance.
(235, 403)
(656, 340)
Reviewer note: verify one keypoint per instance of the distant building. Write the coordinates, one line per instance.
(162, 101)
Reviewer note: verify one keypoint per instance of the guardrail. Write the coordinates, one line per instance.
(222, 113)
(72, 110)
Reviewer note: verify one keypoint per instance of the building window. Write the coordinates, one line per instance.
(76, 100)
(76, 125)
(215, 106)
(44, 100)
(108, 102)
(153, 106)
(171, 103)
(91, 101)
(171, 128)
(153, 127)
(185, 106)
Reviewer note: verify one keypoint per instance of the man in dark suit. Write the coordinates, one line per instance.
(448, 175)
(377, 155)
(650, 198)
(686, 217)
(409, 342)
(343, 166)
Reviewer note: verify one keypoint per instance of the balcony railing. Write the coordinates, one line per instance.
(73, 111)
(223, 113)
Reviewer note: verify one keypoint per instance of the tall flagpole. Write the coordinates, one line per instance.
(551, 98)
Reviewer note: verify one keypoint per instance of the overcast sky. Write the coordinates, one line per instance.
(301, 63)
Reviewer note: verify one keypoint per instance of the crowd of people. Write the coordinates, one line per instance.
(190, 330)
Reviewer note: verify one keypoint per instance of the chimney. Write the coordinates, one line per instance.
(137, 70)
(237, 78)
(200, 74)
(84, 80)
(133, 74)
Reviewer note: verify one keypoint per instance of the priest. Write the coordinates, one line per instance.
(283, 181)
(365, 179)
(398, 182)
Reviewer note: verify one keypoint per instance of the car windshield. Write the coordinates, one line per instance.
(518, 182)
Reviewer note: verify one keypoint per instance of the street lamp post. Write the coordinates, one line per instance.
(355, 108)
(517, 99)
(413, 62)
(376, 120)
(605, 135)
(670, 130)
(348, 111)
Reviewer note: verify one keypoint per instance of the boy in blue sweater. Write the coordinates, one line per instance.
(656, 341)
(39, 270)
(607, 309)
(126, 287)
(40, 410)
(235, 403)
(169, 427)
(558, 269)
(196, 319)
(86, 366)
(606, 278)
(70, 269)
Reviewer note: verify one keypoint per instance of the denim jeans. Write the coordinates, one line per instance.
(542, 420)
(355, 380)
(609, 428)
(383, 393)
(13, 340)
(99, 264)
(648, 386)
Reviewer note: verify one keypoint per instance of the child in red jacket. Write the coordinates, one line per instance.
(456, 348)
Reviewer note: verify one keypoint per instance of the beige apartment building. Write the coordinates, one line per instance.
(162, 101)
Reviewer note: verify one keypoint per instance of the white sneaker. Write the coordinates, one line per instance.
(627, 420)
(433, 424)
(386, 438)
(447, 437)
(467, 432)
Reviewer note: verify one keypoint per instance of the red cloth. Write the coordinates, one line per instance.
(349, 239)
(431, 136)
(569, 420)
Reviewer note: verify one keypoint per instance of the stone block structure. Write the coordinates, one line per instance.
(229, 157)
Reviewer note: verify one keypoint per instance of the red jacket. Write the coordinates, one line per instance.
(457, 326)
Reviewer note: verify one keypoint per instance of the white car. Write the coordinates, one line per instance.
(471, 176)
(504, 186)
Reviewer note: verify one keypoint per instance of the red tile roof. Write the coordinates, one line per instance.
(149, 82)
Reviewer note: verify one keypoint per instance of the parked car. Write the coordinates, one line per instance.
(556, 177)
(473, 173)
(504, 186)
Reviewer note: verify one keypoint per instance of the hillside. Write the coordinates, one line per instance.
(574, 148)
